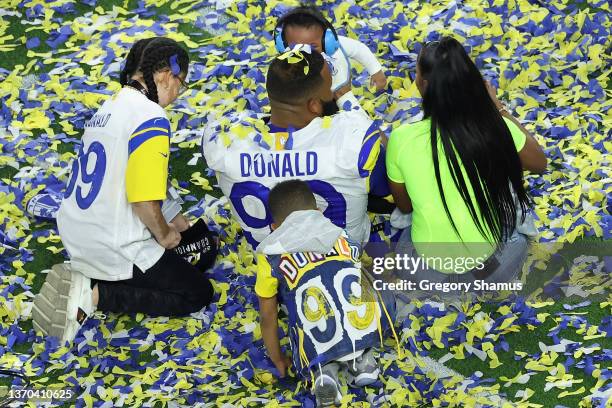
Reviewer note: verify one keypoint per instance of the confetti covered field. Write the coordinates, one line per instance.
(551, 60)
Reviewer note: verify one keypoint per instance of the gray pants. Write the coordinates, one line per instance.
(511, 256)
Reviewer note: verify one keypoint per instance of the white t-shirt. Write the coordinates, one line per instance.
(124, 159)
(341, 65)
(335, 155)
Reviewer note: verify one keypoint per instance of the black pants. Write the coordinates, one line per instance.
(171, 287)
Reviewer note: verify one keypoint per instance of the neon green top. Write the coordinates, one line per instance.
(409, 161)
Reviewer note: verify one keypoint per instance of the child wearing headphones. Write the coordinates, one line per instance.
(306, 25)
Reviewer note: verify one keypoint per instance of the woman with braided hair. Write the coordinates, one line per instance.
(172, 205)
(124, 255)
(132, 61)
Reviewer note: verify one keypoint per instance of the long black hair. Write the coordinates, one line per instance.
(475, 139)
(151, 55)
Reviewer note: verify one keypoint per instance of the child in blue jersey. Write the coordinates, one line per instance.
(334, 316)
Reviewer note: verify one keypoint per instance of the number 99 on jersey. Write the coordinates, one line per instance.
(328, 316)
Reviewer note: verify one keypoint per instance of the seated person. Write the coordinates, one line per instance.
(124, 255)
(334, 315)
(337, 153)
(306, 25)
(467, 196)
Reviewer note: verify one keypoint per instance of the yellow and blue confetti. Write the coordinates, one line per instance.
(551, 61)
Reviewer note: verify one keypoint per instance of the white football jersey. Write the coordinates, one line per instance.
(100, 231)
(335, 155)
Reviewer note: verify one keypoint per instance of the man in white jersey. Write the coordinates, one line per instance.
(306, 138)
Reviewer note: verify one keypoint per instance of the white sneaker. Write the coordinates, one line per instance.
(64, 303)
(326, 387)
(364, 369)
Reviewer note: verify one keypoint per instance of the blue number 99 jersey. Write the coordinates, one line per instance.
(332, 310)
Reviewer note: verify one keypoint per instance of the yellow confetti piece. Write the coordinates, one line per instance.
(568, 393)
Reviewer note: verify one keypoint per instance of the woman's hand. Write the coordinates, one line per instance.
(493, 94)
(532, 156)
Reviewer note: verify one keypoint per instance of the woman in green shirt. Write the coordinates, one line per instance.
(460, 169)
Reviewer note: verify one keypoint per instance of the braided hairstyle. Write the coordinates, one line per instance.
(132, 61)
(155, 57)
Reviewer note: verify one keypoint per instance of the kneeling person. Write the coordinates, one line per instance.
(316, 270)
(125, 257)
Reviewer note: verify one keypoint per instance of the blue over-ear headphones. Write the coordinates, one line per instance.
(330, 37)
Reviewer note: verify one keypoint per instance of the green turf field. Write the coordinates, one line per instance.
(524, 340)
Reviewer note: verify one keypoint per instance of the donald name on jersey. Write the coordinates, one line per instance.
(279, 164)
(296, 264)
(98, 120)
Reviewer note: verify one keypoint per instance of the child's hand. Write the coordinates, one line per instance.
(338, 93)
(282, 365)
(379, 80)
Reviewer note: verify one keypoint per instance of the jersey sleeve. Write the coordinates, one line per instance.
(147, 168)
(393, 147)
(361, 144)
(360, 53)
(266, 285)
(378, 176)
(369, 151)
(518, 137)
(216, 141)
